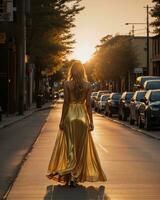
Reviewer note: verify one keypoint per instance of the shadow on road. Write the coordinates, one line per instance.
(60, 192)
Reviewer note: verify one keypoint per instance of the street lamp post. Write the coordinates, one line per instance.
(147, 39)
(133, 26)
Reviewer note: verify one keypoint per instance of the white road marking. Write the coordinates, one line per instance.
(104, 149)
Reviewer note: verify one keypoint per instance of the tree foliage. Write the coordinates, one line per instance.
(114, 57)
(155, 12)
(50, 38)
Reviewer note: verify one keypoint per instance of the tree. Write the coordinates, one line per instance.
(155, 12)
(50, 39)
(114, 58)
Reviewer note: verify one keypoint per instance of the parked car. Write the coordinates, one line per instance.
(112, 104)
(61, 93)
(102, 102)
(97, 98)
(134, 105)
(141, 80)
(93, 96)
(149, 110)
(152, 85)
(123, 110)
(56, 95)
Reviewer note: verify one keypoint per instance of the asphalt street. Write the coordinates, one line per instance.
(130, 160)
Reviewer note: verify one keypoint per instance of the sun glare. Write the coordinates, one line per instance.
(83, 54)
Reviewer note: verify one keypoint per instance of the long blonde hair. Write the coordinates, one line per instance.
(77, 73)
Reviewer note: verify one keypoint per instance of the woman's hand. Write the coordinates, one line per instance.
(61, 126)
(91, 126)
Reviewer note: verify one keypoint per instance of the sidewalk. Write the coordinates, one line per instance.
(32, 184)
(17, 136)
(8, 120)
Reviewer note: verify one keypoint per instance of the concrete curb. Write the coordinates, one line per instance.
(131, 127)
(25, 116)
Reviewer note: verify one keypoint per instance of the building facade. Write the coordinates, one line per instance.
(139, 43)
(156, 55)
(13, 71)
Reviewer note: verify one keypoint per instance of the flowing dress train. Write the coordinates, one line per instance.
(74, 152)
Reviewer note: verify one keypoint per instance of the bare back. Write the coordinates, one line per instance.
(69, 97)
(71, 92)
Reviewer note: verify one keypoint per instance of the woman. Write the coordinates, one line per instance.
(74, 158)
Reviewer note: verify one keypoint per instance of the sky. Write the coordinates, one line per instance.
(106, 17)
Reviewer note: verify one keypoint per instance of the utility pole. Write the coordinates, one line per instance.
(147, 39)
(133, 26)
(21, 54)
(148, 46)
(133, 30)
(147, 8)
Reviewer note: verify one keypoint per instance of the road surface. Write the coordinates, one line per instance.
(130, 160)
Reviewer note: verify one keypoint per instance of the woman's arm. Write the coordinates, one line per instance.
(65, 105)
(89, 108)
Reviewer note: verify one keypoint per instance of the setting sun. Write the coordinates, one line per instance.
(83, 53)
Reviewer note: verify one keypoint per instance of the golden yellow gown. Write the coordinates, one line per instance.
(74, 152)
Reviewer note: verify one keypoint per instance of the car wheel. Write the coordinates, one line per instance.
(119, 116)
(140, 124)
(124, 117)
(109, 113)
(131, 121)
(105, 112)
(147, 124)
(136, 121)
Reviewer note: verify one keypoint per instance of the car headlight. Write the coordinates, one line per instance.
(154, 108)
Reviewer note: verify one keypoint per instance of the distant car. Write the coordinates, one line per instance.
(149, 110)
(93, 96)
(112, 104)
(152, 85)
(102, 102)
(56, 95)
(61, 94)
(97, 98)
(123, 111)
(141, 80)
(134, 105)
